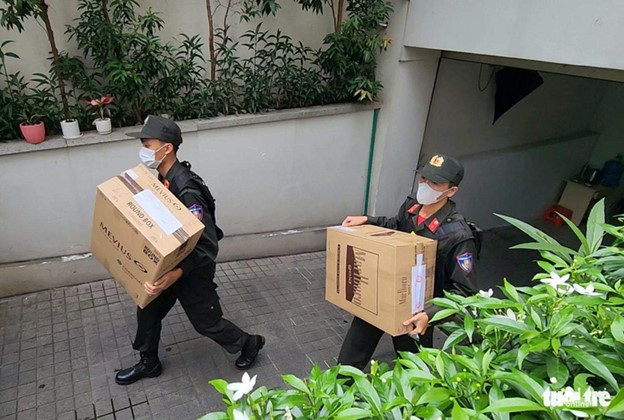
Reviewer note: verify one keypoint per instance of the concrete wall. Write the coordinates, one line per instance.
(408, 76)
(278, 184)
(188, 16)
(574, 32)
(516, 166)
(609, 122)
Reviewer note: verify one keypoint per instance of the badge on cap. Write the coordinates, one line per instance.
(197, 211)
(464, 261)
(437, 161)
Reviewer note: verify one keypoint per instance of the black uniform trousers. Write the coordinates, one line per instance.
(200, 301)
(362, 339)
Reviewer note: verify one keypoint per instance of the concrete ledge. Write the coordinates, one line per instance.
(119, 134)
(33, 276)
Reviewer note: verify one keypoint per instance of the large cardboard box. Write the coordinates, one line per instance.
(380, 275)
(141, 230)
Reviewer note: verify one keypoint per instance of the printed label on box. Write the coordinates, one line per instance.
(419, 284)
(362, 278)
(157, 211)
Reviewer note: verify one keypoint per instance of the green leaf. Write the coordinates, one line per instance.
(513, 405)
(444, 313)
(456, 337)
(469, 326)
(580, 381)
(562, 251)
(459, 413)
(617, 328)
(434, 395)
(429, 412)
(584, 244)
(557, 369)
(522, 383)
(505, 324)
(510, 291)
(536, 234)
(369, 393)
(595, 221)
(296, 383)
(353, 413)
(440, 365)
(350, 371)
(215, 416)
(220, 385)
(536, 319)
(497, 394)
(592, 364)
(397, 402)
(556, 344)
(617, 403)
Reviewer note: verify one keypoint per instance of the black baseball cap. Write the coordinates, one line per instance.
(442, 168)
(159, 128)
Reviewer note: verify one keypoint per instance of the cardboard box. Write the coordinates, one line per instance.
(141, 230)
(380, 275)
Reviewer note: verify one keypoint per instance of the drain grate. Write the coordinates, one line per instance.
(111, 409)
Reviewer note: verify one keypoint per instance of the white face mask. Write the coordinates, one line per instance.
(427, 195)
(148, 157)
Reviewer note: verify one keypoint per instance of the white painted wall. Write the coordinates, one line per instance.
(267, 177)
(187, 16)
(517, 166)
(408, 75)
(575, 32)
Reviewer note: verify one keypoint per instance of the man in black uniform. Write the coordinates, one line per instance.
(192, 281)
(429, 213)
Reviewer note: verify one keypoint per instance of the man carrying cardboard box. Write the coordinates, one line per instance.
(192, 281)
(429, 213)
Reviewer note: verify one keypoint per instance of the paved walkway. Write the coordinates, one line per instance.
(61, 348)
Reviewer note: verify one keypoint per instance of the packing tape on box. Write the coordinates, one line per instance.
(154, 208)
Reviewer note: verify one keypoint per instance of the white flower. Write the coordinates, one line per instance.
(511, 315)
(587, 291)
(559, 283)
(242, 388)
(553, 380)
(240, 415)
(288, 415)
(487, 294)
(373, 362)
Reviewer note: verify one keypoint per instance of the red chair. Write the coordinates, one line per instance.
(553, 212)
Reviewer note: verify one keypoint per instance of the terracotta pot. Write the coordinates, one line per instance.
(103, 126)
(34, 134)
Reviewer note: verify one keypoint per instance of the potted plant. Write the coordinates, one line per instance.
(32, 128)
(70, 128)
(102, 125)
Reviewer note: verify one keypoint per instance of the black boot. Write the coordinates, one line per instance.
(250, 352)
(148, 367)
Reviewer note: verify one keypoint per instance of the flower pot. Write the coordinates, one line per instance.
(33, 133)
(70, 129)
(103, 125)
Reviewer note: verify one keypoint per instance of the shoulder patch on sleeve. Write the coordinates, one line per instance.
(197, 211)
(464, 261)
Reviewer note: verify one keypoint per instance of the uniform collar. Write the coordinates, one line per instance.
(173, 171)
(435, 220)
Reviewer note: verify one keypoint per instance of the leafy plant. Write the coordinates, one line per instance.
(350, 58)
(517, 355)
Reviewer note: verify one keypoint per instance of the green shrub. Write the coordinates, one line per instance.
(503, 357)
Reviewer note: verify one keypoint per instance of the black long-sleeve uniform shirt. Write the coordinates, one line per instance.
(456, 253)
(194, 194)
